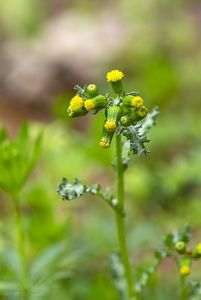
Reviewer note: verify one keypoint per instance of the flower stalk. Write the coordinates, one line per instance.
(120, 221)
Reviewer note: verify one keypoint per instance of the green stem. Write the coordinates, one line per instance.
(21, 248)
(120, 219)
(183, 289)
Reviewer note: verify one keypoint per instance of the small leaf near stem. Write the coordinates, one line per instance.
(73, 191)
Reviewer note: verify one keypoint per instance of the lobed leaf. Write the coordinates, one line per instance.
(70, 191)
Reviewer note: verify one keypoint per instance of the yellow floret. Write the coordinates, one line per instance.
(114, 75)
(89, 104)
(110, 125)
(199, 248)
(104, 143)
(137, 101)
(76, 103)
(185, 271)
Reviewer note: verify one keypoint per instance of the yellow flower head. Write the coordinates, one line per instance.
(110, 125)
(104, 143)
(76, 103)
(198, 249)
(114, 75)
(137, 101)
(185, 271)
(89, 104)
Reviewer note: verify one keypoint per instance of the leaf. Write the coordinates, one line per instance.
(136, 139)
(149, 121)
(185, 234)
(132, 93)
(70, 192)
(81, 91)
(125, 154)
(118, 276)
(169, 240)
(6, 286)
(145, 277)
(136, 134)
(160, 254)
(18, 158)
(194, 290)
(54, 262)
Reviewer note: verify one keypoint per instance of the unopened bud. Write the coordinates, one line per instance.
(180, 247)
(92, 90)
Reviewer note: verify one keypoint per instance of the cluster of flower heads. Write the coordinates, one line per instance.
(187, 256)
(124, 109)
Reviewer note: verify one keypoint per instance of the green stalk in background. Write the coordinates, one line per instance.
(21, 248)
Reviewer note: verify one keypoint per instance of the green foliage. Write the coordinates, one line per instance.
(118, 276)
(22, 18)
(137, 141)
(17, 159)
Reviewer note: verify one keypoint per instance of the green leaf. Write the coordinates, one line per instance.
(81, 91)
(136, 139)
(70, 192)
(169, 240)
(149, 121)
(185, 234)
(18, 158)
(194, 290)
(118, 276)
(132, 93)
(125, 154)
(160, 254)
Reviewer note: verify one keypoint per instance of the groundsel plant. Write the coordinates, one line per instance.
(177, 246)
(128, 119)
(124, 112)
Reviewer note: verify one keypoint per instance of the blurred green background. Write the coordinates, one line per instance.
(46, 47)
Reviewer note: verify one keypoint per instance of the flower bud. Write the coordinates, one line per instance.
(180, 247)
(133, 101)
(115, 78)
(140, 113)
(185, 266)
(106, 138)
(185, 271)
(197, 252)
(97, 102)
(126, 120)
(76, 107)
(92, 90)
(113, 115)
